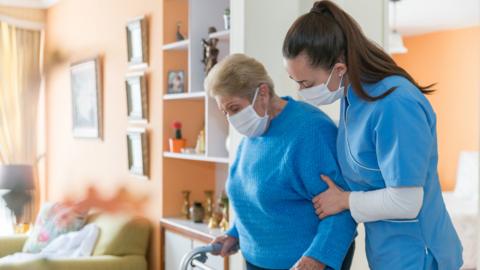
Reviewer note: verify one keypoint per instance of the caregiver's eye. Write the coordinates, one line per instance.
(303, 85)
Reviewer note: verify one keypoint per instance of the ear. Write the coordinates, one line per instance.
(340, 69)
(264, 90)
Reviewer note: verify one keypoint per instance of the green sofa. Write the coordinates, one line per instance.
(122, 245)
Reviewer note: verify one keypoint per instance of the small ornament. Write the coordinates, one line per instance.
(186, 204)
(226, 19)
(179, 35)
(224, 224)
(208, 204)
(177, 143)
(210, 51)
(200, 147)
(197, 212)
(214, 222)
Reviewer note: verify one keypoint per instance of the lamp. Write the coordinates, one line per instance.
(395, 41)
(16, 182)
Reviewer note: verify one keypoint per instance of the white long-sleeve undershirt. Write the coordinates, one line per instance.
(386, 203)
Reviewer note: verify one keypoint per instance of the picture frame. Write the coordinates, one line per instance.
(137, 42)
(176, 82)
(138, 156)
(86, 90)
(137, 97)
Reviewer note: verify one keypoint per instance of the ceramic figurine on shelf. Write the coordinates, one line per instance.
(200, 147)
(179, 35)
(210, 51)
(197, 212)
(178, 142)
(208, 204)
(186, 204)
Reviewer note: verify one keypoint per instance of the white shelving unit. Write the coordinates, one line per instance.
(196, 157)
(179, 45)
(182, 96)
(199, 21)
(221, 35)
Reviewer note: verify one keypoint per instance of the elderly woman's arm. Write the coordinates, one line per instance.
(314, 156)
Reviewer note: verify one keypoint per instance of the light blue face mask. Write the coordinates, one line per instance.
(247, 122)
(320, 94)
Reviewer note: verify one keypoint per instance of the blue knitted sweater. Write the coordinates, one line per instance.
(271, 184)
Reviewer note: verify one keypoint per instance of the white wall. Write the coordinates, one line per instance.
(258, 30)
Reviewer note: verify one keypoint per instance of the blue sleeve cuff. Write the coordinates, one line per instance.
(335, 235)
(232, 231)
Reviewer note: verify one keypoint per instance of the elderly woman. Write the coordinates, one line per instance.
(276, 174)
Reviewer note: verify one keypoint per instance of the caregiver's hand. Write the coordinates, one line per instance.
(307, 263)
(229, 245)
(332, 201)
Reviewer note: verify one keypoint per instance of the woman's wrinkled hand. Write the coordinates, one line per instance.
(332, 201)
(229, 245)
(307, 263)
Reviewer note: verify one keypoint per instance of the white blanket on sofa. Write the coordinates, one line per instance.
(70, 245)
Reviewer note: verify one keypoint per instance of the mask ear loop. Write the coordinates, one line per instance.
(341, 81)
(255, 98)
(328, 80)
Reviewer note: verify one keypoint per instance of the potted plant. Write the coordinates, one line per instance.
(177, 142)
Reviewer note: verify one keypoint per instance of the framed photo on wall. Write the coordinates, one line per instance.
(176, 82)
(85, 80)
(137, 99)
(137, 42)
(138, 156)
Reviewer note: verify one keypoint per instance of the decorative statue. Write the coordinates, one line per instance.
(179, 35)
(210, 51)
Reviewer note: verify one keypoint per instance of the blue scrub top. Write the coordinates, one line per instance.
(392, 142)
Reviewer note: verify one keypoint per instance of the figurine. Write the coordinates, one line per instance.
(210, 51)
(179, 35)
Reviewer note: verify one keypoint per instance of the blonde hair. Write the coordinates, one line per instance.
(237, 75)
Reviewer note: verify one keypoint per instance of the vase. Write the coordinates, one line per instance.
(197, 212)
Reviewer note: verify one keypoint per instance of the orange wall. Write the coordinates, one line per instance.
(79, 30)
(452, 60)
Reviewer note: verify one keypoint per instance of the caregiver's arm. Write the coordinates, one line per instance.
(386, 203)
(314, 155)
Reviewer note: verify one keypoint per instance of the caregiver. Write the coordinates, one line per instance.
(387, 144)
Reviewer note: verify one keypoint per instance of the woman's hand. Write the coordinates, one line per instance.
(229, 245)
(332, 201)
(307, 263)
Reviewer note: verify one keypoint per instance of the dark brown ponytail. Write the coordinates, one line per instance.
(327, 35)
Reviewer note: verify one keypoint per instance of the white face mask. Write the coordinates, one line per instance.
(247, 122)
(320, 94)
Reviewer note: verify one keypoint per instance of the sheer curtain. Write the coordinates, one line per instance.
(20, 81)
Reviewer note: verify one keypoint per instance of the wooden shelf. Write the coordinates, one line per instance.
(196, 157)
(221, 35)
(179, 45)
(199, 231)
(190, 95)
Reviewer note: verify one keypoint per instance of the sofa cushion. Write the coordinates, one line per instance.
(53, 220)
(121, 235)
